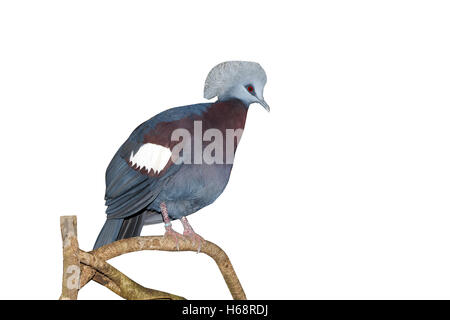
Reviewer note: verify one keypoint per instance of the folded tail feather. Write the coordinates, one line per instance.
(131, 227)
(109, 232)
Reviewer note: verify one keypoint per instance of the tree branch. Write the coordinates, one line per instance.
(71, 261)
(119, 283)
(161, 243)
(93, 266)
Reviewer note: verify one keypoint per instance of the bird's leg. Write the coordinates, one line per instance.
(190, 233)
(168, 225)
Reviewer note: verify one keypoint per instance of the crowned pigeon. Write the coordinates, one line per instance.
(180, 160)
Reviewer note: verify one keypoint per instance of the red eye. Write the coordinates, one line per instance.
(250, 89)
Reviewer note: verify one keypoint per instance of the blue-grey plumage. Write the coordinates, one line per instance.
(144, 182)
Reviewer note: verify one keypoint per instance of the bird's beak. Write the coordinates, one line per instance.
(264, 104)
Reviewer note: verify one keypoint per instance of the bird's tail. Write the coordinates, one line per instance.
(131, 227)
(109, 232)
(116, 229)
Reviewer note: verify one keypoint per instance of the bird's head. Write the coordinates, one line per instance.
(241, 80)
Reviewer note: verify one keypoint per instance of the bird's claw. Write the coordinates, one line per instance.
(173, 234)
(194, 238)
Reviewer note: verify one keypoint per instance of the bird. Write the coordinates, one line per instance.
(180, 160)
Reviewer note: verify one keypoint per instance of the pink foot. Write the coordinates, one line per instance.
(191, 235)
(194, 237)
(170, 233)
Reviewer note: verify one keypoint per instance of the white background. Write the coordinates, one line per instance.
(342, 191)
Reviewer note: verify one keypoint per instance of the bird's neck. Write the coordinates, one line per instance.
(228, 114)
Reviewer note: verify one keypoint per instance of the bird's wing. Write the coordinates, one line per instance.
(143, 164)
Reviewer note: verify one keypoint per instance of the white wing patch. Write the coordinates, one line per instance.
(151, 156)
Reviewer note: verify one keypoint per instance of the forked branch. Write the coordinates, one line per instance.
(94, 266)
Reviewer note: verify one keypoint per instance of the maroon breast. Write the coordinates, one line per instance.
(222, 116)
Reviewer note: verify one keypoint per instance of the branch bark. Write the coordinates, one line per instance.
(161, 243)
(119, 283)
(93, 266)
(71, 261)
